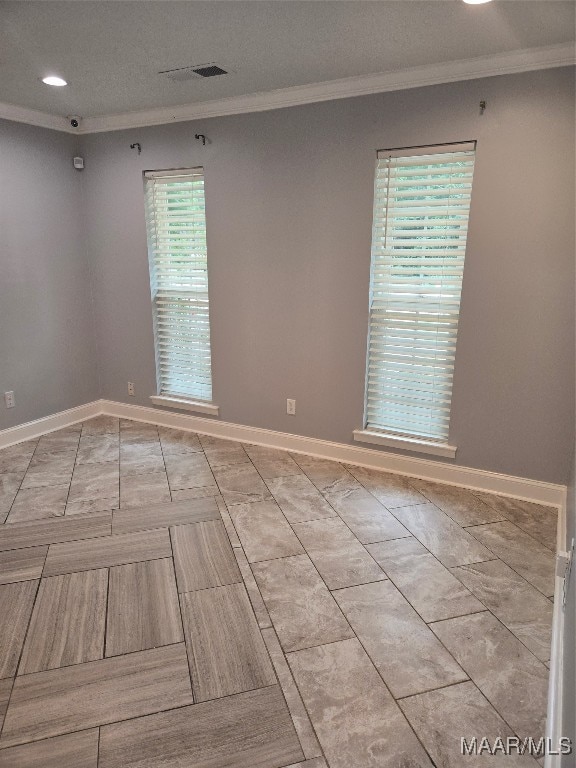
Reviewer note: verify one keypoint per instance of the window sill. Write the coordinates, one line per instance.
(183, 403)
(407, 443)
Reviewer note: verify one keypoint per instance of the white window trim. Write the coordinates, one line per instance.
(406, 443)
(183, 404)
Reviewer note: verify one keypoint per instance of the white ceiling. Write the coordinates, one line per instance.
(111, 52)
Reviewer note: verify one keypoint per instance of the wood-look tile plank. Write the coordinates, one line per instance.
(74, 750)
(119, 549)
(258, 606)
(5, 691)
(16, 601)
(67, 625)
(306, 735)
(203, 556)
(74, 698)
(35, 533)
(248, 730)
(21, 564)
(164, 515)
(225, 648)
(143, 609)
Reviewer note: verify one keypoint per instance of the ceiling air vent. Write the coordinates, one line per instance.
(195, 72)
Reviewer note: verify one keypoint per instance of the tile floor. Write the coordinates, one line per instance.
(172, 600)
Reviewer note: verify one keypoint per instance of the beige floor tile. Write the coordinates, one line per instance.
(243, 731)
(324, 474)
(143, 609)
(519, 606)
(137, 431)
(299, 499)
(450, 543)
(535, 519)
(337, 554)
(315, 762)
(16, 458)
(189, 470)
(272, 463)
(391, 490)
(49, 469)
(9, 484)
(263, 531)
(60, 440)
(195, 493)
(223, 453)
(98, 449)
(427, 585)
(262, 615)
(203, 556)
(302, 610)
(441, 718)
(403, 649)
(306, 735)
(511, 678)
(74, 750)
(356, 720)
(141, 465)
(36, 503)
(241, 483)
(100, 425)
(521, 552)
(225, 648)
(33, 533)
(16, 602)
(120, 549)
(93, 505)
(22, 564)
(67, 624)
(178, 441)
(368, 520)
(141, 490)
(144, 450)
(464, 507)
(94, 481)
(164, 515)
(74, 698)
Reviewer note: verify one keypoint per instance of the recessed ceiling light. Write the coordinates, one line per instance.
(53, 80)
(477, 2)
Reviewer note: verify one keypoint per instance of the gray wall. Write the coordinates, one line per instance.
(289, 205)
(47, 353)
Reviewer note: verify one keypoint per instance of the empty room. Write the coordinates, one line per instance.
(287, 384)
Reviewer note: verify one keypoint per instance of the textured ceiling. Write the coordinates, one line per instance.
(111, 52)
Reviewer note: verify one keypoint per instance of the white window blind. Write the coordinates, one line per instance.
(176, 228)
(421, 207)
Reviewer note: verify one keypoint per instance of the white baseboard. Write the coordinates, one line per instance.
(40, 427)
(478, 479)
(466, 477)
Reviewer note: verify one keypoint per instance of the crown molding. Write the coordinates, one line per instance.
(523, 60)
(34, 117)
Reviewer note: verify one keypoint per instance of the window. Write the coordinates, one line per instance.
(421, 207)
(176, 228)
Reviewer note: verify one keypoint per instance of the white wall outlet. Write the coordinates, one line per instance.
(9, 399)
(291, 407)
(131, 391)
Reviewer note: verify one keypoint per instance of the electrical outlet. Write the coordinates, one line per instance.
(131, 391)
(9, 399)
(291, 407)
